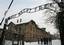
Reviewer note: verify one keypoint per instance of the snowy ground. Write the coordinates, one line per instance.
(54, 42)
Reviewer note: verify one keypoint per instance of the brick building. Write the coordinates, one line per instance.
(28, 32)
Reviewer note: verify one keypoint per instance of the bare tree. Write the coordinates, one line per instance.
(59, 20)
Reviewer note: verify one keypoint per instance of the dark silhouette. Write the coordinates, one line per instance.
(60, 25)
(6, 20)
(60, 21)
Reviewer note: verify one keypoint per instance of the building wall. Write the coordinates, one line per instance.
(29, 31)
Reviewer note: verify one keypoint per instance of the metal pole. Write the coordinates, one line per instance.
(2, 37)
(6, 12)
(6, 20)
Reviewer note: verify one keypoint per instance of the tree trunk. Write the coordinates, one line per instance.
(62, 38)
(60, 25)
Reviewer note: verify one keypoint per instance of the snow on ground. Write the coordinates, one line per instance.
(54, 42)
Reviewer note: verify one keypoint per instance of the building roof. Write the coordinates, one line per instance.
(28, 36)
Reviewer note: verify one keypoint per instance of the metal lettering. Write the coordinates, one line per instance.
(32, 10)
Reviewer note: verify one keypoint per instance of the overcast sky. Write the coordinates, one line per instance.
(39, 17)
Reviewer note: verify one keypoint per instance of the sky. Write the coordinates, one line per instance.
(39, 17)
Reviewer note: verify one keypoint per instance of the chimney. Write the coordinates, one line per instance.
(20, 20)
(17, 21)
